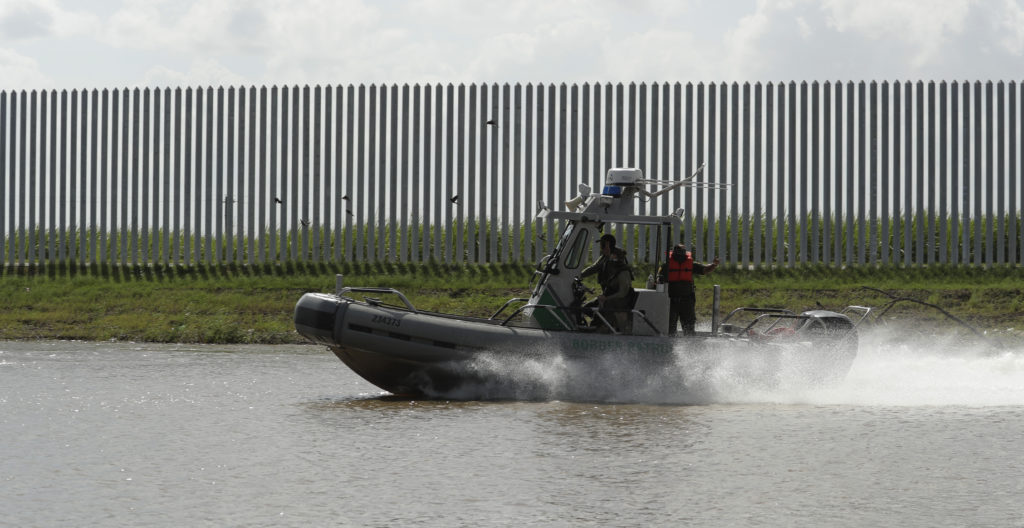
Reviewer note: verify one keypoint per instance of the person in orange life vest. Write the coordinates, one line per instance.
(678, 272)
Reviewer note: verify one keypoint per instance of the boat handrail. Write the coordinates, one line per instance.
(545, 306)
(400, 295)
(765, 311)
(853, 308)
(594, 312)
(508, 302)
(777, 318)
(646, 320)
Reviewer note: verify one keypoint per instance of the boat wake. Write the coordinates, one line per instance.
(889, 370)
(953, 370)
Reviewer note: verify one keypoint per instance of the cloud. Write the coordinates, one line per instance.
(37, 19)
(24, 20)
(134, 42)
(277, 39)
(19, 72)
(873, 39)
(1013, 25)
(923, 25)
(551, 50)
(497, 55)
(745, 54)
(660, 55)
(201, 72)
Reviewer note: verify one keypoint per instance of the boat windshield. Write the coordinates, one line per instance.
(572, 260)
(564, 239)
(551, 260)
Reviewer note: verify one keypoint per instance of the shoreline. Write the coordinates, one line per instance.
(240, 305)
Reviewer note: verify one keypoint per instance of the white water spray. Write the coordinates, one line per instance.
(890, 370)
(948, 371)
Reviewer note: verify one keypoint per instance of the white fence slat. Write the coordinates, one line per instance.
(850, 173)
(990, 148)
(6, 208)
(390, 238)
(472, 211)
(449, 167)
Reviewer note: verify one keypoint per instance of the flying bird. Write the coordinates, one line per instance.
(304, 222)
(278, 200)
(454, 199)
(349, 211)
(491, 122)
(344, 197)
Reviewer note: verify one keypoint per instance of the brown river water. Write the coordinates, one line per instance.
(116, 434)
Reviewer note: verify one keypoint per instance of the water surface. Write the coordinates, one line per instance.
(103, 434)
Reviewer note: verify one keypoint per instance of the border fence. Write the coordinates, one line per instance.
(838, 174)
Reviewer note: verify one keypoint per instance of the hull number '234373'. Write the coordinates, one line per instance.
(385, 320)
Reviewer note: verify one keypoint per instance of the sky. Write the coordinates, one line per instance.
(160, 43)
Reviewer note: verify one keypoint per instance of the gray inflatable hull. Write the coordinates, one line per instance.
(413, 353)
(416, 353)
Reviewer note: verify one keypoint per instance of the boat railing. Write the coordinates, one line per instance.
(374, 301)
(776, 318)
(766, 311)
(507, 303)
(646, 320)
(597, 314)
(862, 311)
(549, 307)
(593, 312)
(777, 315)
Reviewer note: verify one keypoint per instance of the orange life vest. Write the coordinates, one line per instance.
(680, 271)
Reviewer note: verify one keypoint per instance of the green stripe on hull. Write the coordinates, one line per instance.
(547, 318)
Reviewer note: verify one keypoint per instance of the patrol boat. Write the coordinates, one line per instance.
(382, 337)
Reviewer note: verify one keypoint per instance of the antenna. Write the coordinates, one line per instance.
(686, 182)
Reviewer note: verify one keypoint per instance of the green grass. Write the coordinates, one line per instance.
(960, 240)
(253, 304)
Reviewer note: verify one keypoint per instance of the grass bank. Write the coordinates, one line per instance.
(253, 304)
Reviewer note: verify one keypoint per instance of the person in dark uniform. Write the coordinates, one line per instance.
(617, 295)
(615, 278)
(601, 266)
(678, 272)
